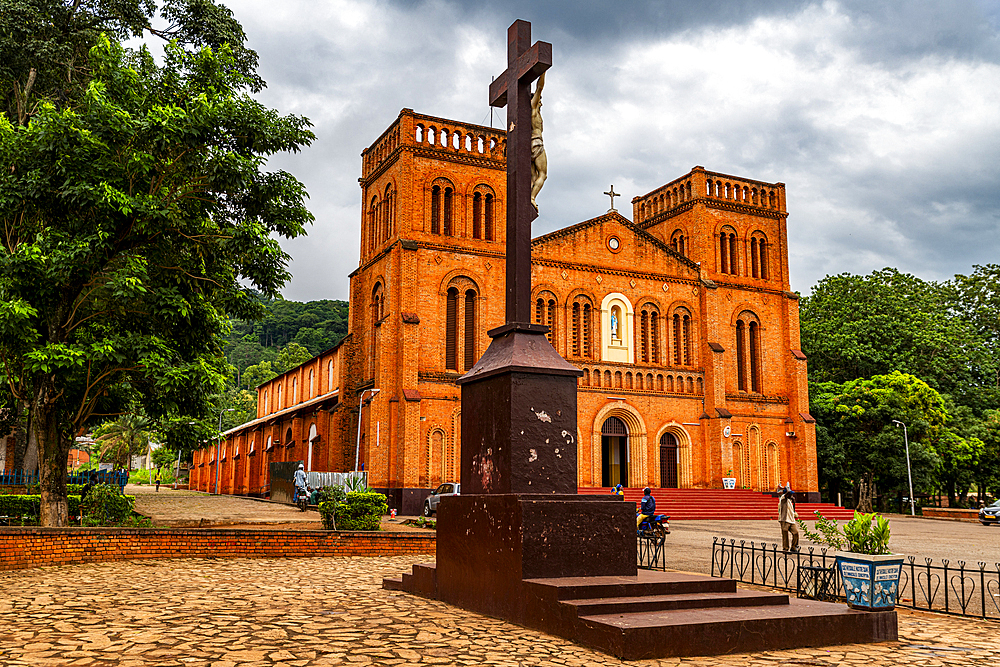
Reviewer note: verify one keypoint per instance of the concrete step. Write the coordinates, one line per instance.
(651, 603)
(721, 630)
(646, 582)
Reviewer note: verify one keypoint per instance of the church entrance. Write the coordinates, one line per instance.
(614, 452)
(668, 461)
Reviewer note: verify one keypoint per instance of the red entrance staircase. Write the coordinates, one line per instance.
(719, 504)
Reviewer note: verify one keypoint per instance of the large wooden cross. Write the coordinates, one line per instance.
(513, 90)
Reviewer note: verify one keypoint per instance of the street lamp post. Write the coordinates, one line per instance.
(357, 445)
(218, 449)
(906, 441)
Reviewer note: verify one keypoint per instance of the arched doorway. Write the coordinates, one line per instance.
(668, 461)
(614, 452)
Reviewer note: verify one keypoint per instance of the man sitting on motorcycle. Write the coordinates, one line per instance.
(300, 483)
(647, 508)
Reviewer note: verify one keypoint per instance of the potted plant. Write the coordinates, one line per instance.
(729, 482)
(868, 570)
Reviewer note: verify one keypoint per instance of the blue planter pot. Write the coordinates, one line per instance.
(871, 583)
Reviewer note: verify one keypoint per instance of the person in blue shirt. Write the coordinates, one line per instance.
(647, 508)
(618, 491)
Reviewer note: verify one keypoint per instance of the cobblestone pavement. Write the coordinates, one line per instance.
(194, 508)
(332, 611)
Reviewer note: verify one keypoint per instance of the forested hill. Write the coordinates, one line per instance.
(315, 325)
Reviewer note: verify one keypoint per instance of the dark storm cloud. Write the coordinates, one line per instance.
(879, 116)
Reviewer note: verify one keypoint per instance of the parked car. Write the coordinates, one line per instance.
(991, 514)
(443, 491)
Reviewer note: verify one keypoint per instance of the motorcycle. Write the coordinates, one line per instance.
(302, 498)
(655, 527)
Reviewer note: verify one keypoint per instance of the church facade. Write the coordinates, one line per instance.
(681, 319)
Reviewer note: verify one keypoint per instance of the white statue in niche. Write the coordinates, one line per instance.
(614, 324)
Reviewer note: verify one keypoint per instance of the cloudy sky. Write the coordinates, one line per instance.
(882, 118)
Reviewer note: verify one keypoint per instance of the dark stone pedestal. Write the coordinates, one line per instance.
(487, 545)
(519, 417)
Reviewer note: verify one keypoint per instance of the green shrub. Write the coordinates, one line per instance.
(71, 489)
(29, 505)
(334, 493)
(106, 505)
(361, 511)
(327, 511)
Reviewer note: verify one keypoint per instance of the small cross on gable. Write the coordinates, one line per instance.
(612, 194)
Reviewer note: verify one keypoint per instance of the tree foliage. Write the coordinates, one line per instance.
(127, 436)
(947, 334)
(136, 215)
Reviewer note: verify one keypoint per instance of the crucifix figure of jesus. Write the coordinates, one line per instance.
(525, 63)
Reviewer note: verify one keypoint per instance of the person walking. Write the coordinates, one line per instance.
(787, 517)
(157, 480)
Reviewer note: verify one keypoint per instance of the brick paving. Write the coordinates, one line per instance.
(332, 611)
(193, 508)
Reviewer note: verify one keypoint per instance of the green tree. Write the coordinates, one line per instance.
(121, 439)
(135, 214)
(860, 326)
(288, 357)
(164, 457)
(860, 446)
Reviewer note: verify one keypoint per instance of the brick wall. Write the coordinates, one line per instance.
(34, 547)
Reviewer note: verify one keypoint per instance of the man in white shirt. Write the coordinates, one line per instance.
(787, 519)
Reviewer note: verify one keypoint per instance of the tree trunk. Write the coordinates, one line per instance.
(54, 454)
(18, 445)
(30, 462)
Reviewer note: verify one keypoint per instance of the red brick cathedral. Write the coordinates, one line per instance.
(681, 319)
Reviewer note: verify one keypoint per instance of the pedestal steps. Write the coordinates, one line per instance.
(675, 614)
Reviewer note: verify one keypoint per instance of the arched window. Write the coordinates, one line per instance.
(682, 323)
(477, 215)
(575, 347)
(278, 404)
(748, 353)
(451, 330)
(419, 134)
(389, 212)
(436, 209)
(648, 343)
(488, 221)
(446, 213)
(377, 308)
(267, 407)
(728, 251)
(758, 255)
(295, 391)
(678, 242)
(312, 384)
(545, 313)
(329, 375)
(470, 329)
(582, 328)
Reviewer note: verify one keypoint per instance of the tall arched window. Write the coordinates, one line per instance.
(682, 323)
(329, 375)
(389, 212)
(728, 251)
(758, 255)
(312, 384)
(470, 329)
(488, 217)
(581, 333)
(748, 353)
(295, 391)
(545, 313)
(678, 242)
(451, 330)
(377, 308)
(436, 209)
(477, 215)
(648, 343)
(446, 213)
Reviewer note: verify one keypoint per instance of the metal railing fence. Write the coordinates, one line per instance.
(944, 588)
(651, 554)
(20, 478)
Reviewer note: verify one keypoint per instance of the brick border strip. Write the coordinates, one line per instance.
(35, 547)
